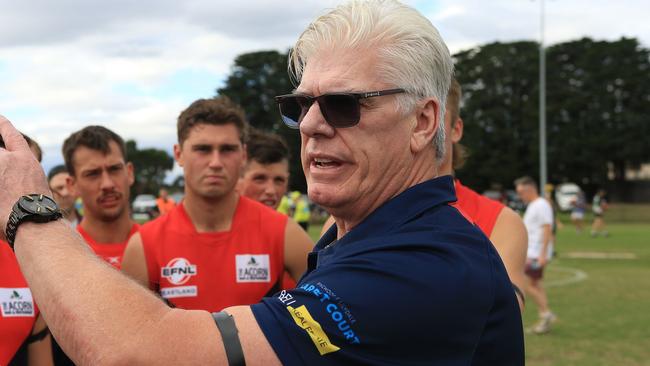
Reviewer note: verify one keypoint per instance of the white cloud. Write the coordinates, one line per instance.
(473, 22)
(67, 63)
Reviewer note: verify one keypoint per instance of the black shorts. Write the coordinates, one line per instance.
(534, 271)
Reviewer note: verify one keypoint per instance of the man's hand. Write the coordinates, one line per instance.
(20, 173)
(542, 261)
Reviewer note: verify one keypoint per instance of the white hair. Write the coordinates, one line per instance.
(412, 54)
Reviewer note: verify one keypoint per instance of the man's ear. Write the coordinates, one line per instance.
(177, 154)
(71, 183)
(130, 172)
(426, 125)
(456, 130)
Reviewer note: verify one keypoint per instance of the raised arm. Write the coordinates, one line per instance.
(98, 315)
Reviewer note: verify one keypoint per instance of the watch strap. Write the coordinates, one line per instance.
(12, 228)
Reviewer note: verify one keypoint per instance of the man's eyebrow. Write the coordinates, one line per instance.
(91, 170)
(228, 145)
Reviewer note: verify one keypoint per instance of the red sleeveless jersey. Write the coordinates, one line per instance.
(110, 252)
(477, 208)
(211, 271)
(18, 310)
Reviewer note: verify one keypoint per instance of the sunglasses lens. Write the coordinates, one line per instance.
(340, 110)
(293, 108)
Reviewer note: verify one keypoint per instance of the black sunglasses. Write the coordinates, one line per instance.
(339, 109)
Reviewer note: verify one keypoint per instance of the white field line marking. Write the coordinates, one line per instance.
(599, 255)
(576, 276)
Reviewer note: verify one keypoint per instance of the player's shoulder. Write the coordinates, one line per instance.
(543, 204)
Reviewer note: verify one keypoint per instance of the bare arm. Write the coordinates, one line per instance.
(510, 238)
(39, 352)
(297, 244)
(98, 315)
(122, 332)
(134, 263)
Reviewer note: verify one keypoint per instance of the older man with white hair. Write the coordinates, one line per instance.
(403, 278)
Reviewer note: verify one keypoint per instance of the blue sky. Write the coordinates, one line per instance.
(133, 66)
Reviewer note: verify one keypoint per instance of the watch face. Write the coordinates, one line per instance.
(38, 205)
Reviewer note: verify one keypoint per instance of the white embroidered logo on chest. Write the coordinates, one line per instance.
(16, 302)
(253, 268)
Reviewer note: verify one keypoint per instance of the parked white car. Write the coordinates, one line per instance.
(144, 207)
(566, 194)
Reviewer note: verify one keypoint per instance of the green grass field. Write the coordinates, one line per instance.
(604, 319)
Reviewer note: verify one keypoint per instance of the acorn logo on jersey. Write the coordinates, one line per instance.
(178, 271)
(253, 268)
(16, 302)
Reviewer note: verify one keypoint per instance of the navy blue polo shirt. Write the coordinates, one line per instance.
(413, 284)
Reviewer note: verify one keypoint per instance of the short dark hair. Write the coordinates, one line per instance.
(525, 181)
(93, 137)
(215, 111)
(34, 145)
(58, 169)
(266, 148)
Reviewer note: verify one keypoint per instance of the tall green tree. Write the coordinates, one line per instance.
(499, 110)
(151, 167)
(597, 110)
(256, 78)
(598, 95)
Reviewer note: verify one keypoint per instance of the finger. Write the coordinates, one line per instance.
(13, 140)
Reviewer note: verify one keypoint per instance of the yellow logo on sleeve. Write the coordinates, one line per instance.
(304, 320)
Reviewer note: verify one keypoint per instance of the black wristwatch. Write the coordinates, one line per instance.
(31, 208)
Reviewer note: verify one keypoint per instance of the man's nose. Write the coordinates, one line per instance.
(314, 123)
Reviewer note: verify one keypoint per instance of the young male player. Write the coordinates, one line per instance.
(216, 248)
(95, 158)
(266, 175)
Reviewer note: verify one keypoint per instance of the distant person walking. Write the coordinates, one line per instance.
(538, 220)
(578, 208)
(599, 206)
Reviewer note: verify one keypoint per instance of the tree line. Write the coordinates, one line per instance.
(598, 106)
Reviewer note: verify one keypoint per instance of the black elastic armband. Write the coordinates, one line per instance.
(38, 336)
(230, 337)
(519, 293)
